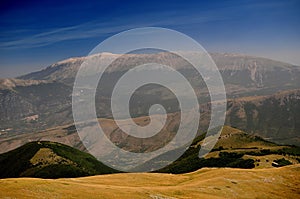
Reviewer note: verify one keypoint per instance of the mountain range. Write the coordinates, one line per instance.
(263, 95)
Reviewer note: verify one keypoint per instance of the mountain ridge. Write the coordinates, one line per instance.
(34, 106)
(247, 114)
(224, 61)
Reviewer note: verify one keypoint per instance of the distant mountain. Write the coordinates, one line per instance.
(257, 68)
(253, 71)
(243, 76)
(274, 117)
(242, 71)
(49, 160)
(42, 100)
(63, 71)
(26, 105)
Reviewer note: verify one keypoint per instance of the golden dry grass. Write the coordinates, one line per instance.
(46, 156)
(205, 183)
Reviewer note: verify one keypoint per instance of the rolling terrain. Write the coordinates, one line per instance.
(205, 183)
(234, 149)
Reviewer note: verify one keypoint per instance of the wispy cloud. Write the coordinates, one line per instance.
(98, 29)
(81, 31)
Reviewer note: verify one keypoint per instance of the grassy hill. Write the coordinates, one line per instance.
(276, 183)
(49, 160)
(235, 149)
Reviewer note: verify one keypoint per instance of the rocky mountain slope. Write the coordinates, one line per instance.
(42, 100)
(28, 105)
(236, 69)
(274, 117)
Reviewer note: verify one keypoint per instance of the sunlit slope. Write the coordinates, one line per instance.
(49, 160)
(234, 148)
(205, 183)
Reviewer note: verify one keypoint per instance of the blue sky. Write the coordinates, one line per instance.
(35, 34)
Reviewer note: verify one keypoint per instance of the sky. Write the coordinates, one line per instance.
(35, 33)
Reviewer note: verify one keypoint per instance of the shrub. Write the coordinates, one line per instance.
(282, 162)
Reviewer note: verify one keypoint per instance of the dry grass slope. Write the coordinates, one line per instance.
(205, 183)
